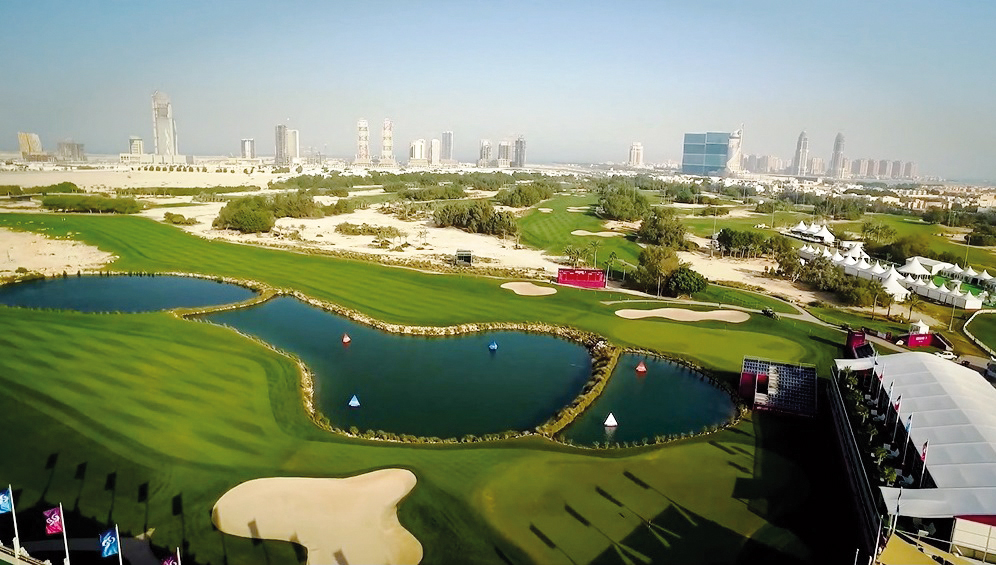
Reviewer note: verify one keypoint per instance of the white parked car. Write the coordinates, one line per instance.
(946, 355)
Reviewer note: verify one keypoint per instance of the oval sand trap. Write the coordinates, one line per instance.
(529, 289)
(683, 315)
(578, 208)
(351, 520)
(546, 210)
(599, 233)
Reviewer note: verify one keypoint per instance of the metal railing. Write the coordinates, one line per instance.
(972, 337)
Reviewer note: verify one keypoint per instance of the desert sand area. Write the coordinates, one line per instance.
(350, 520)
(40, 254)
(319, 233)
(122, 178)
(684, 315)
(597, 234)
(529, 289)
(747, 271)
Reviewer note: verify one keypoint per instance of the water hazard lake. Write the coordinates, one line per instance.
(427, 386)
(668, 399)
(121, 293)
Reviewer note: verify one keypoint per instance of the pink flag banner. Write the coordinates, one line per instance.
(172, 559)
(53, 521)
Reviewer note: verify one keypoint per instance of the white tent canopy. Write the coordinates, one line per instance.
(913, 267)
(825, 235)
(895, 288)
(985, 275)
(800, 227)
(877, 269)
(970, 272)
(952, 410)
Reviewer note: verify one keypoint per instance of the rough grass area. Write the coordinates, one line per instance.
(144, 420)
(984, 328)
(724, 295)
(857, 320)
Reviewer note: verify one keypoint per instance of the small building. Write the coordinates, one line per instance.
(464, 257)
(581, 277)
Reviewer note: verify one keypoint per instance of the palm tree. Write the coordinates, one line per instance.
(594, 247)
(608, 264)
(913, 299)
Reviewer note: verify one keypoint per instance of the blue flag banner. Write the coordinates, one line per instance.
(108, 543)
(6, 501)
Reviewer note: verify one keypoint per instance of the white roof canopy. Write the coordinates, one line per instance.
(895, 288)
(970, 272)
(985, 275)
(800, 227)
(952, 409)
(877, 269)
(824, 234)
(913, 267)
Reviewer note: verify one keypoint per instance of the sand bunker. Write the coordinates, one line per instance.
(528, 289)
(578, 208)
(351, 520)
(598, 234)
(683, 315)
(35, 252)
(546, 210)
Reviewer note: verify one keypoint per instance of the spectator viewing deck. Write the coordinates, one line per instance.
(780, 387)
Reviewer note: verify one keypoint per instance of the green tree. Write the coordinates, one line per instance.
(594, 245)
(575, 254)
(661, 226)
(619, 202)
(684, 281)
(655, 265)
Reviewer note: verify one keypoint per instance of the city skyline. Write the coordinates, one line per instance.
(936, 123)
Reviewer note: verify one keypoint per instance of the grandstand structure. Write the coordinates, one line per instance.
(788, 388)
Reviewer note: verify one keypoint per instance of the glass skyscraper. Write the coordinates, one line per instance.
(711, 153)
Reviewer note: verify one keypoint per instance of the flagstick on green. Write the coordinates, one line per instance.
(65, 539)
(13, 513)
(117, 534)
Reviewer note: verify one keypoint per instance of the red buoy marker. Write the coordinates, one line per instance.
(641, 369)
(346, 339)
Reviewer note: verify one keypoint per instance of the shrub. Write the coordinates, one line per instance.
(178, 219)
(477, 217)
(662, 227)
(90, 203)
(248, 215)
(524, 195)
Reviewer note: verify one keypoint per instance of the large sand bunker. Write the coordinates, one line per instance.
(578, 209)
(546, 210)
(529, 289)
(683, 315)
(598, 233)
(351, 520)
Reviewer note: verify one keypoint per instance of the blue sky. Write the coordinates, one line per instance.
(906, 80)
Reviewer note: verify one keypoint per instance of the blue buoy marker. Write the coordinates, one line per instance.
(354, 402)
(493, 346)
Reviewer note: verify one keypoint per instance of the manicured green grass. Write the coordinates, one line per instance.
(109, 389)
(703, 226)
(725, 295)
(855, 320)
(551, 232)
(984, 328)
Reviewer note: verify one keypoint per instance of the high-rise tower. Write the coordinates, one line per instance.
(800, 164)
(163, 126)
(249, 148)
(362, 143)
(435, 148)
(837, 158)
(484, 158)
(519, 159)
(636, 154)
(446, 153)
(387, 145)
(281, 157)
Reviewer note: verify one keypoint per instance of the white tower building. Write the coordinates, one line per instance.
(163, 126)
(800, 164)
(435, 149)
(387, 145)
(249, 148)
(484, 158)
(447, 148)
(362, 143)
(636, 154)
